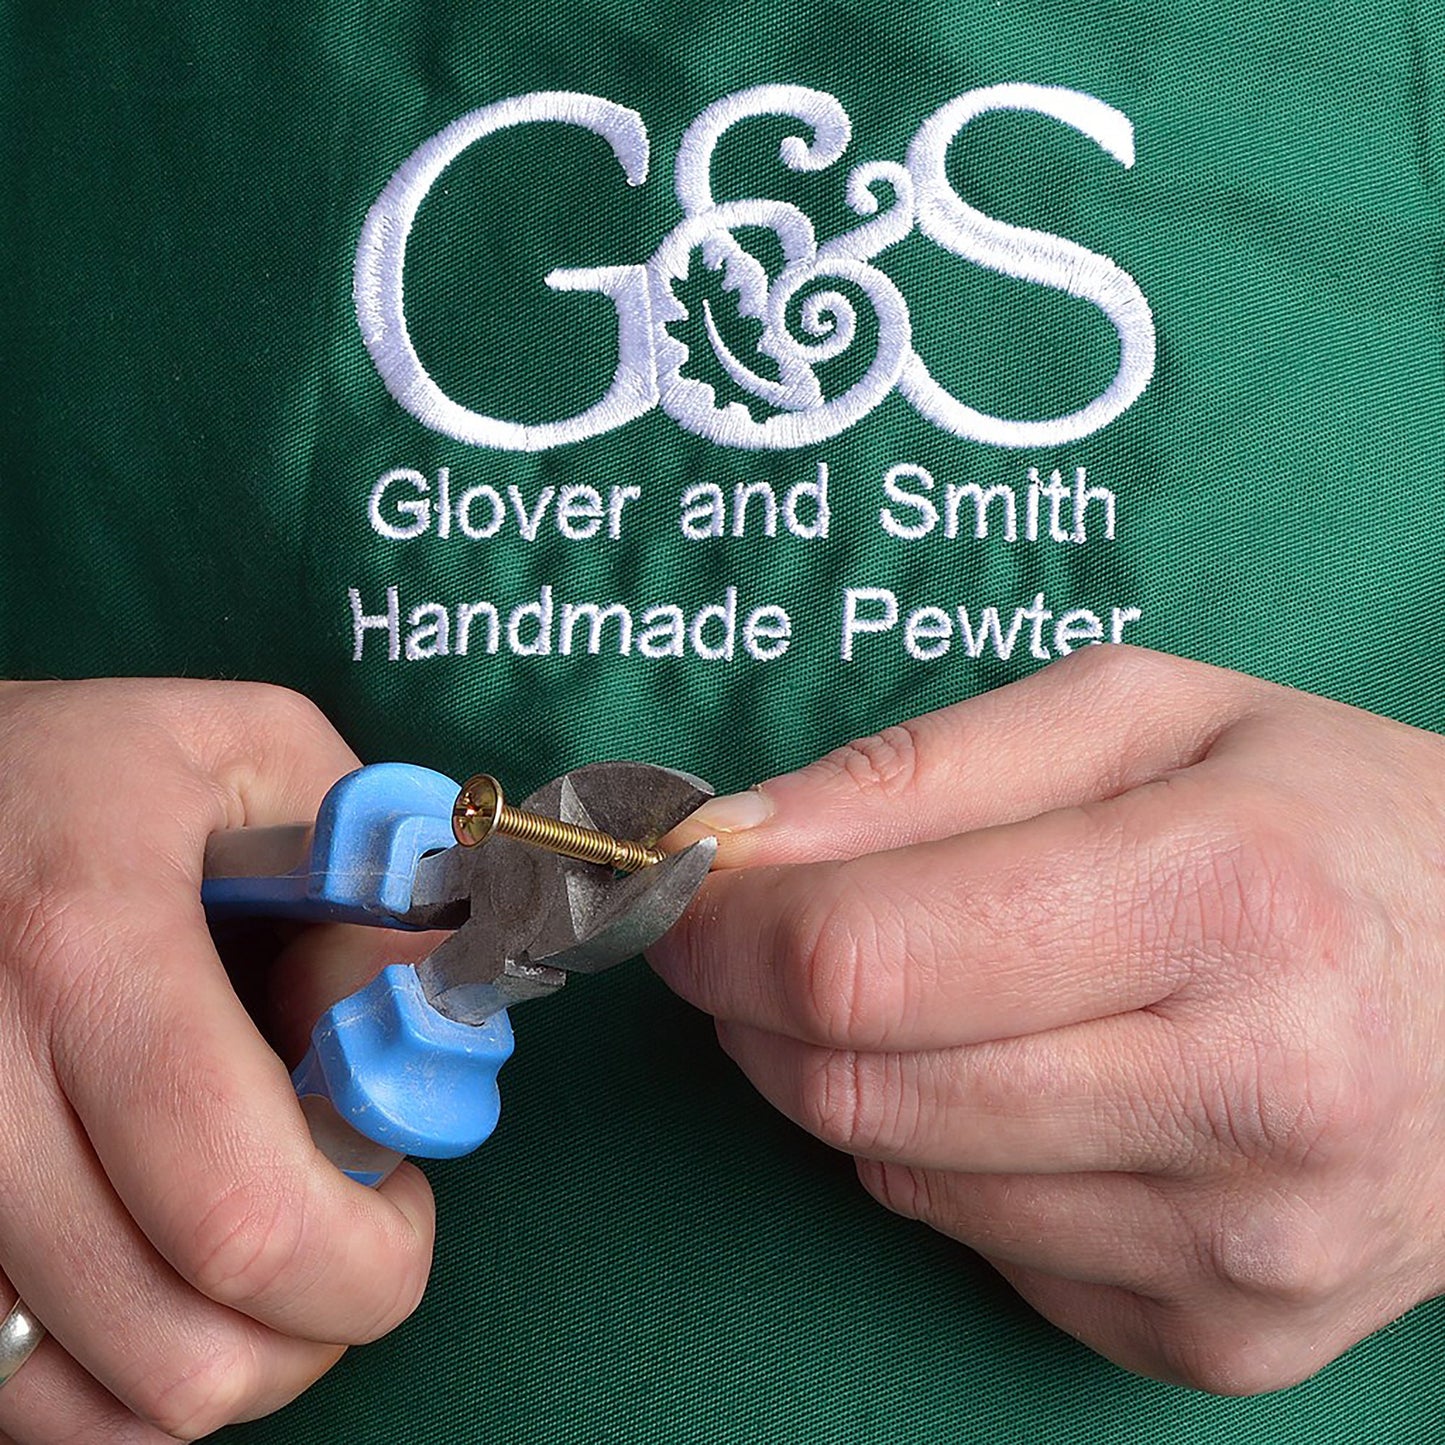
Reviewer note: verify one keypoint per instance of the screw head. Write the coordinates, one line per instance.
(477, 810)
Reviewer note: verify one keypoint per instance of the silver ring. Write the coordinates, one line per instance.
(20, 1332)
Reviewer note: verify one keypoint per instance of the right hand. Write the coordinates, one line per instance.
(163, 1211)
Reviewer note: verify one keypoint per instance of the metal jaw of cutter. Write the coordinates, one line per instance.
(525, 918)
(408, 1064)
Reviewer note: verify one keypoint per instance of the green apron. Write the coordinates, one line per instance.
(709, 383)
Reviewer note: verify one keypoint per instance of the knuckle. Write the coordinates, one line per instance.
(189, 1399)
(1265, 896)
(855, 1102)
(235, 725)
(284, 708)
(1226, 1360)
(248, 1246)
(1306, 1110)
(1271, 1101)
(1120, 668)
(409, 1272)
(262, 1247)
(53, 941)
(1280, 1258)
(38, 935)
(1285, 1075)
(898, 1188)
(1223, 895)
(1115, 661)
(842, 983)
(269, 712)
(885, 763)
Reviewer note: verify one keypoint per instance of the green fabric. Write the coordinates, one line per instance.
(192, 427)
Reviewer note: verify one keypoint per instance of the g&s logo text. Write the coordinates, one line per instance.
(650, 360)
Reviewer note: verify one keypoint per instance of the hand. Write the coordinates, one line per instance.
(1131, 976)
(162, 1209)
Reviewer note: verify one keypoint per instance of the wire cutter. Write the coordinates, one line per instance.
(408, 1064)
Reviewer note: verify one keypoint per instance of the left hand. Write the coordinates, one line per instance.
(1131, 976)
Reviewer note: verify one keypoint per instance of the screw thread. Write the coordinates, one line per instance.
(585, 844)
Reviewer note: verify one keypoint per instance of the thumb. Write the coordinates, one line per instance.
(1091, 726)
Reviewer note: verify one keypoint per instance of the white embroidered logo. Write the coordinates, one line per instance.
(650, 359)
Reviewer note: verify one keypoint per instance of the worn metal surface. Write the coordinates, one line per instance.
(525, 918)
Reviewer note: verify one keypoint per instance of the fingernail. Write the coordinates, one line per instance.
(732, 813)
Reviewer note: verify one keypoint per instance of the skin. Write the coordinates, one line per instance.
(154, 1165)
(1128, 976)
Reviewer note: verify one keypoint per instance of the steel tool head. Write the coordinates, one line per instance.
(525, 918)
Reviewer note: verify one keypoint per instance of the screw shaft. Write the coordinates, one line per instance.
(572, 841)
(481, 811)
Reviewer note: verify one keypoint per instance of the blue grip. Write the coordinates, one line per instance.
(372, 829)
(384, 1067)
(404, 1075)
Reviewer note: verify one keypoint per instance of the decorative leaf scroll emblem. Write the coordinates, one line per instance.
(806, 313)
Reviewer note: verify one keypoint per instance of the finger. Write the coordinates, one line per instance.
(1113, 1322)
(1224, 1350)
(1110, 1229)
(197, 1126)
(173, 1357)
(191, 1114)
(327, 963)
(1073, 915)
(1120, 1263)
(1104, 1095)
(201, 756)
(1095, 724)
(52, 1398)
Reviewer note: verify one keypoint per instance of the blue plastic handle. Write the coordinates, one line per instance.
(402, 1075)
(386, 1074)
(372, 829)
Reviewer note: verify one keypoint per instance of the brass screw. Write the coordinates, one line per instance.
(480, 811)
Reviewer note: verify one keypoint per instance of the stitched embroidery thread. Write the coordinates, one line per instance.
(651, 359)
